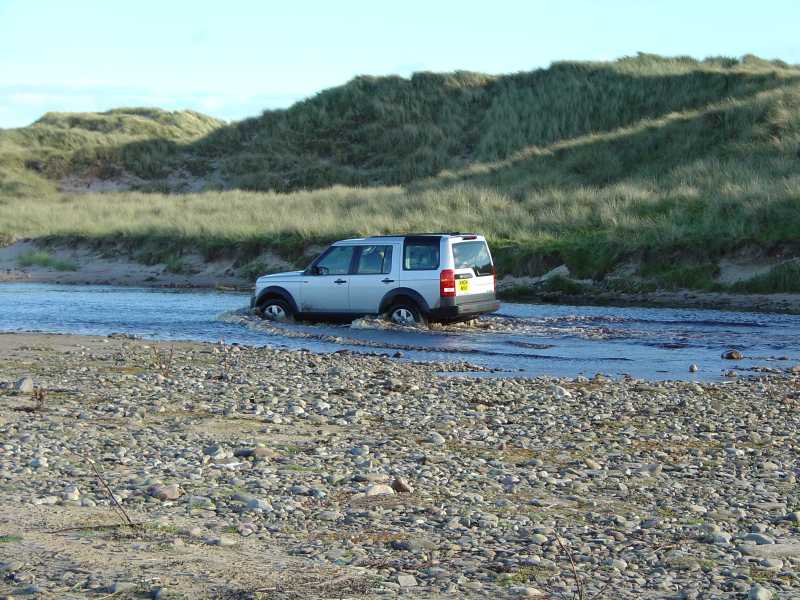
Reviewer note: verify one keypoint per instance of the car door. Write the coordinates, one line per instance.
(375, 274)
(422, 262)
(326, 287)
(474, 269)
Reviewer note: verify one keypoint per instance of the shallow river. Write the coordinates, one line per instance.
(521, 339)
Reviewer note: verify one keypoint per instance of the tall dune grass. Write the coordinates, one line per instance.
(591, 229)
(673, 162)
(376, 131)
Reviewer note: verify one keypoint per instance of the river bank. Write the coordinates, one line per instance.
(33, 262)
(767, 303)
(283, 473)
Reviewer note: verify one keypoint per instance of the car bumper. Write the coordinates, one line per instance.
(456, 309)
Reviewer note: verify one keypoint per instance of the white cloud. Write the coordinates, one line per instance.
(211, 104)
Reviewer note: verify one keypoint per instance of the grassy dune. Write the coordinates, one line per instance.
(666, 164)
(59, 144)
(390, 130)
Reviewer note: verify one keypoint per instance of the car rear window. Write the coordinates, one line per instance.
(421, 254)
(473, 255)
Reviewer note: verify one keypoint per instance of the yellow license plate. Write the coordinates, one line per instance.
(463, 285)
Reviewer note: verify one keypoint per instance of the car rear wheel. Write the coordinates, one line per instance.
(275, 309)
(407, 314)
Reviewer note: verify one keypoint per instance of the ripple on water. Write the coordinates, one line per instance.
(532, 339)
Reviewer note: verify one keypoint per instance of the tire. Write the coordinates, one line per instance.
(276, 309)
(407, 314)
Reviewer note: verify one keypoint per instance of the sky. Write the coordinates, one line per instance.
(235, 59)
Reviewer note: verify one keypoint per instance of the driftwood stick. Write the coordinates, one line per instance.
(568, 553)
(121, 510)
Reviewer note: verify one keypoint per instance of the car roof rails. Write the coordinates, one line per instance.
(454, 233)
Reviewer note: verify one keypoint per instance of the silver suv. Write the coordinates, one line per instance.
(409, 279)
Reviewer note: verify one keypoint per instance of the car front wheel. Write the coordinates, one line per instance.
(276, 310)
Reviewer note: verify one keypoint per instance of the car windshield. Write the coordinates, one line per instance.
(473, 255)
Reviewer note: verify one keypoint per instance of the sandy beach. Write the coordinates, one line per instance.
(266, 473)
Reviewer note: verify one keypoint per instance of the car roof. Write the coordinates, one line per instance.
(402, 237)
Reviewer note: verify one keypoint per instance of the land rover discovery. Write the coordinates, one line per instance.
(409, 279)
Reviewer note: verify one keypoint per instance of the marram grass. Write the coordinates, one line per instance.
(669, 163)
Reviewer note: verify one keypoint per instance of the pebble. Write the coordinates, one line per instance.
(772, 563)
(592, 464)
(258, 453)
(123, 587)
(560, 392)
(24, 385)
(166, 492)
(525, 592)
(379, 489)
(790, 550)
(406, 581)
(329, 515)
(401, 486)
(538, 539)
(258, 504)
(720, 538)
(221, 541)
(617, 563)
(441, 486)
(200, 502)
(758, 538)
(436, 438)
(759, 592)
(72, 493)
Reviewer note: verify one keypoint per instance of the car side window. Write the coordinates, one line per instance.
(421, 255)
(336, 261)
(387, 261)
(374, 260)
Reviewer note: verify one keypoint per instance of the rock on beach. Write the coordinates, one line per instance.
(427, 486)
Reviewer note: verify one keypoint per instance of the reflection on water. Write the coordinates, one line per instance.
(521, 339)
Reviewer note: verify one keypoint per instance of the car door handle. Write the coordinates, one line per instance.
(387, 280)
(340, 281)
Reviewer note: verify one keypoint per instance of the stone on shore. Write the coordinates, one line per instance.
(24, 385)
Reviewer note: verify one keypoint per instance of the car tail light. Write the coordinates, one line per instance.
(447, 283)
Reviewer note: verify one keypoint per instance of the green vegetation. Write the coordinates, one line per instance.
(689, 276)
(784, 278)
(525, 575)
(628, 286)
(43, 259)
(391, 130)
(669, 164)
(100, 145)
(564, 285)
(255, 268)
(176, 264)
(10, 539)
